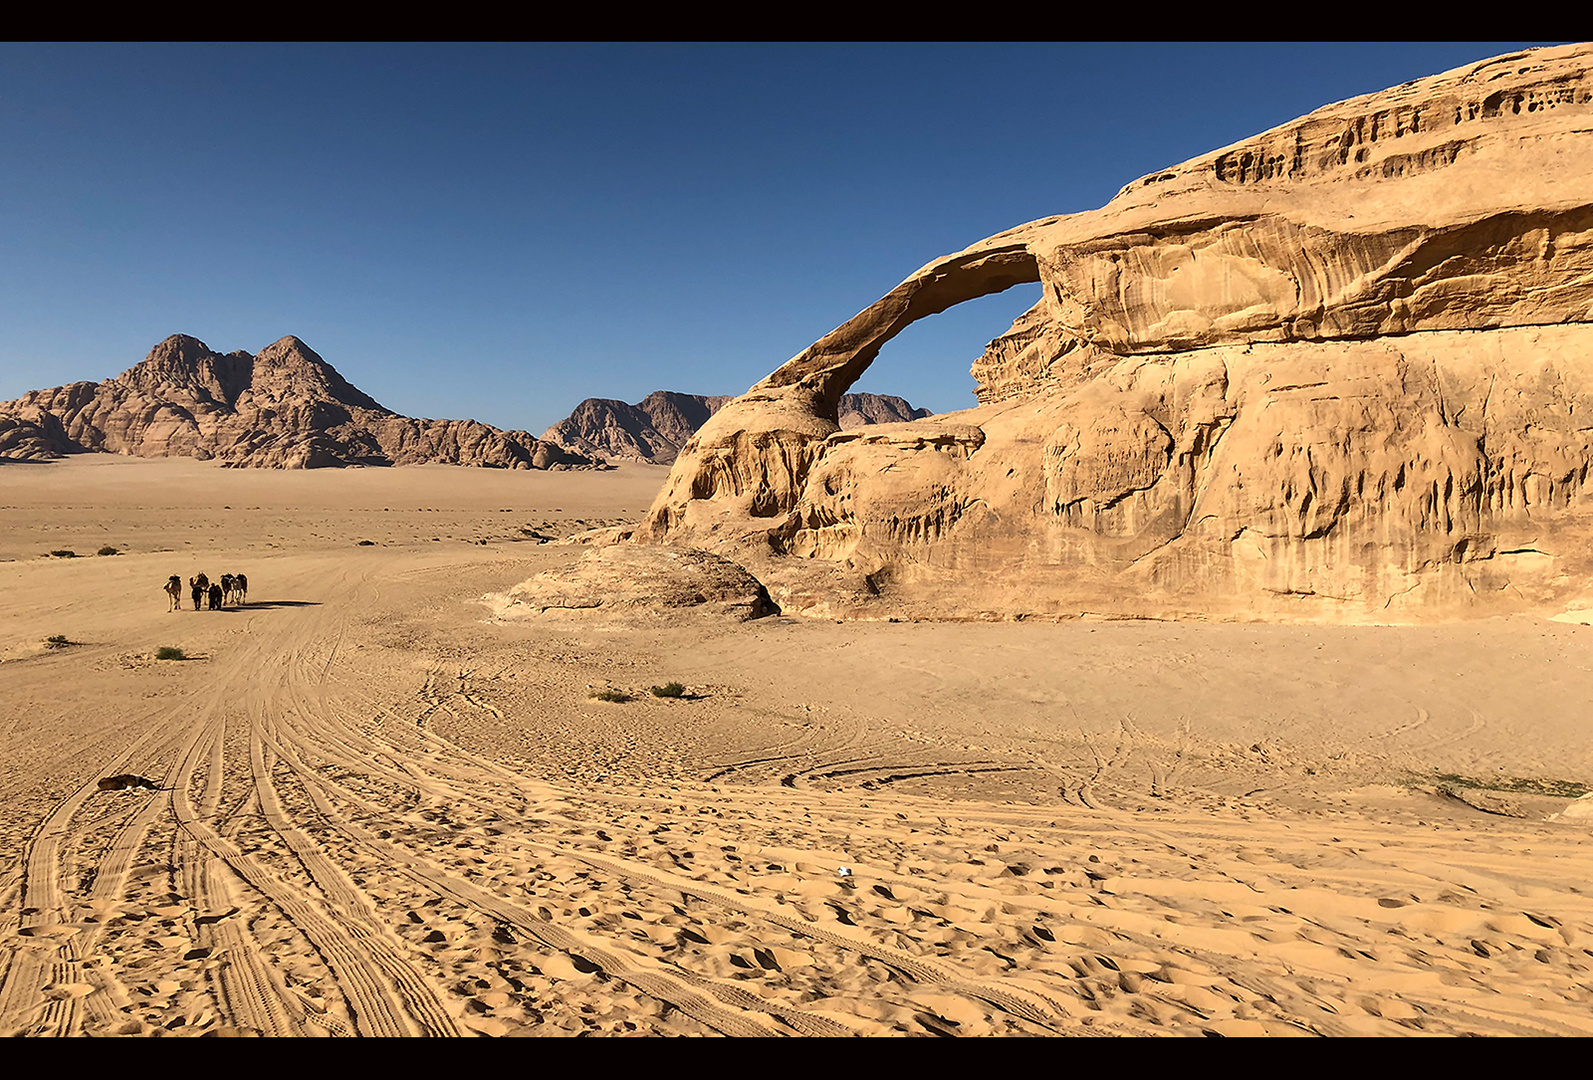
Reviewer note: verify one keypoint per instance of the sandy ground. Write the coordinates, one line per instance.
(381, 812)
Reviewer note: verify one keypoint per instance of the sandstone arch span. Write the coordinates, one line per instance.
(837, 360)
(756, 452)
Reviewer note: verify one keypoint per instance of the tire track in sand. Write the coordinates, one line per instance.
(379, 1006)
(746, 1016)
(1028, 1004)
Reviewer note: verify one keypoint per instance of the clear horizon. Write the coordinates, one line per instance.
(497, 232)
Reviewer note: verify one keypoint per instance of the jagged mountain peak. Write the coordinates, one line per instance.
(184, 364)
(290, 351)
(285, 371)
(288, 368)
(179, 349)
(285, 407)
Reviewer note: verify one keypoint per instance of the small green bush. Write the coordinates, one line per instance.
(64, 554)
(108, 550)
(56, 639)
(1562, 789)
(168, 652)
(673, 689)
(610, 695)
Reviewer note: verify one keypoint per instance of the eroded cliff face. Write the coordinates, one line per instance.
(282, 408)
(1337, 371)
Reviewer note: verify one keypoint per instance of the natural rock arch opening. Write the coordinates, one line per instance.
(928, 362)
(758, 449)
(828, 368)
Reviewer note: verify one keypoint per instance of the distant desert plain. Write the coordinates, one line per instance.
(380, 809)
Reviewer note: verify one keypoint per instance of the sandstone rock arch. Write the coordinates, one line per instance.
(830, 366)
(1339, 370)
(758, 448)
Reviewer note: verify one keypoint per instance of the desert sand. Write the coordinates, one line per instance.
(382, 810)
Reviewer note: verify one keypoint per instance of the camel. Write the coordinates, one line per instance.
(200, 587)
(240, 589)
(227, 587)
(215, 598)
(174, 589)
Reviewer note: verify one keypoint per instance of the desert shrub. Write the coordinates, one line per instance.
(108, 550)
(56, 639)
(168, 652)
(366, 543)
(610, 695)
(673, 689)
(64, 554)
(1562, 789)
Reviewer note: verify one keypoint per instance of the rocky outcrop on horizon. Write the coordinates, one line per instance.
(1338, 371)
(862, 410)
(284, 407)
(655, 428)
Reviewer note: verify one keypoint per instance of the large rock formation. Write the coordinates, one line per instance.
(283, 408)
(1341, 370)
(646, 582)
(31, 434)
(655, 428)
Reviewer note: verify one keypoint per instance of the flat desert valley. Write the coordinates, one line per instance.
(380, 810)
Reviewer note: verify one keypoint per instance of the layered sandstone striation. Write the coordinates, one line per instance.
(284, 407)
(655, 428)
(31, 434)
(1342, 370)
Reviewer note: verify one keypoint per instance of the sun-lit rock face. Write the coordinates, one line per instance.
(1341, 370)
(284, 407)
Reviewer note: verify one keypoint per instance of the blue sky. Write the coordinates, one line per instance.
(498, 231)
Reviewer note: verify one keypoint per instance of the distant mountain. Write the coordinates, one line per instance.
(655, 428)
(860, 410)
(283, 408)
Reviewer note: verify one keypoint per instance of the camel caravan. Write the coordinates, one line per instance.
(231, 589)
